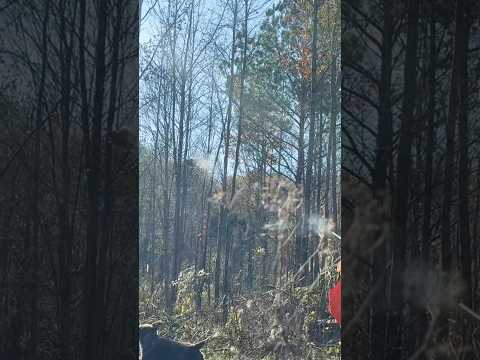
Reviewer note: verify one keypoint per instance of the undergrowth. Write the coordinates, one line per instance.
(272, 325)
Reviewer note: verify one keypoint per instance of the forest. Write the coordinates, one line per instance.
(410, 183)
(239, 174)
(68, 179)
(207, 165)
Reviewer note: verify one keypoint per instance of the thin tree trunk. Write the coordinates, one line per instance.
(66, 242)
(319, 138)
(311, 137)
(401, 199)
(166, 197)
(446, 250)
(426, 243)
(93, 175)
(429, 149)
(300, 248)
(243, 75)
(223, 225)
(382, 163)
(169, 291)
(332, 174)
(108, 196)
(331, 142)
(179, 171)
(32, 352)
(206, 204)
(463, 31)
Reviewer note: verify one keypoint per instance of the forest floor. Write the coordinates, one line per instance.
(258, 326)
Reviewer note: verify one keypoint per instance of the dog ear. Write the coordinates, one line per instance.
(156, 324)
(145, 326)
(199, 345)
(148, 329)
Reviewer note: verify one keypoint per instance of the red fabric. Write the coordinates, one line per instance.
(335, 302)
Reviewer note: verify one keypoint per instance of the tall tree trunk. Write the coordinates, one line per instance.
(333, 173)
(32, 352)
(300, 247)
(401, 198)
(169, 291)
(206, 203)
(319, 138)
(152, 205)
(108, 196)
(179, 170)
(223, 221)
(307, 196)
(427, 205)
(429, 149)
(241, 110)
(166, 196)
(382, 163)
(93, 176)
(463, 31)
(66, 241)
(448, 180)
(331, 152)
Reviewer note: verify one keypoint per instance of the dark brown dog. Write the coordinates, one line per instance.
(153, 347)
